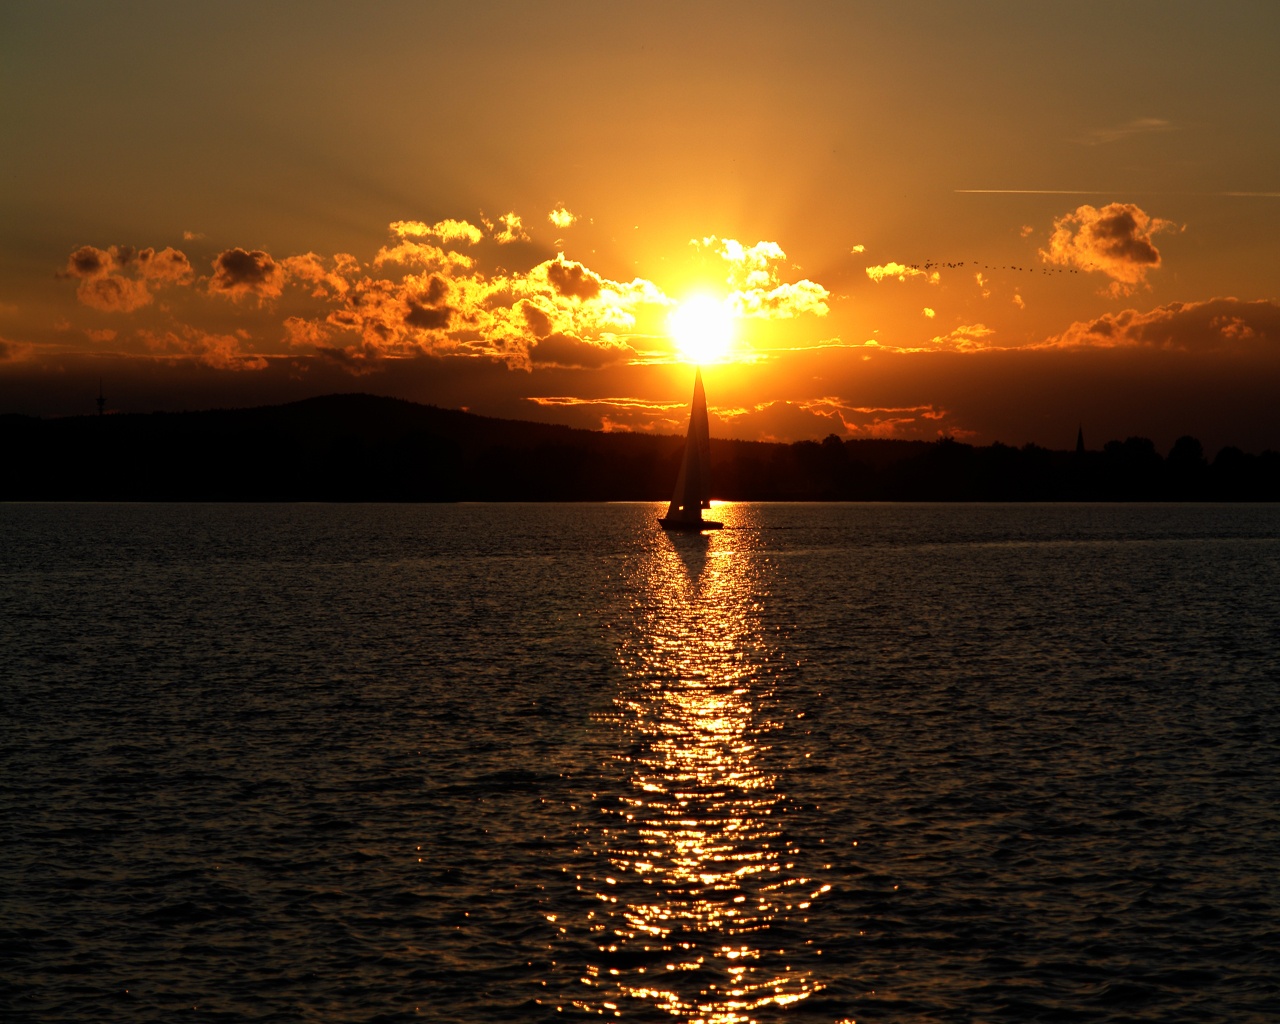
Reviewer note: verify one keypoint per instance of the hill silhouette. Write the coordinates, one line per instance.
(366, 448)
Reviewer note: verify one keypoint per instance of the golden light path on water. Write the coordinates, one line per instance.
(702, 908)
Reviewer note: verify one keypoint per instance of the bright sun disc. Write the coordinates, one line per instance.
(702, 328)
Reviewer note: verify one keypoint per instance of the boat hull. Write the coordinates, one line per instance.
(690, 525)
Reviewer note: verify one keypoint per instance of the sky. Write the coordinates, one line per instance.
(985, 220)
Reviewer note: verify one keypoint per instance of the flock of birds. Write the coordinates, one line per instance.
(932, 265)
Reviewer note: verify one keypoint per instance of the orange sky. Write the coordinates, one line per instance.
(973, 219)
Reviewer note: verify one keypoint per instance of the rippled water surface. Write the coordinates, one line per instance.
(483, 763)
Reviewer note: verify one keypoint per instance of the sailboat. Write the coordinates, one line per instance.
(693, 482)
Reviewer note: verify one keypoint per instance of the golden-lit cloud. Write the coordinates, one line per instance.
(561, 217)
(817, 417)
(1221, 324)
(902, 272)
(965, 338)
(562, 350)
(220, 351)
(930, 313)
(572, 279)
(756, 281)
(858, 249)
(508, 228)
(409, 250)
(446, 231)
(331, 278)
(240, 274)
(119, 279)
(1115, 240)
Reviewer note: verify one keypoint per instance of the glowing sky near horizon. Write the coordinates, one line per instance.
(991, 220)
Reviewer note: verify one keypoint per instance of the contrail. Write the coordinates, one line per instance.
(1107, 192)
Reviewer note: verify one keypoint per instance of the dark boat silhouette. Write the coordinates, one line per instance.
(693, 483)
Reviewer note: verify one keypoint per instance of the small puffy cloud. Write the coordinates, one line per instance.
(1018, 301)
(965, 338)
(901, 272)
(448, 230)
(1115, 240)
(782, 302)
(929, 312)
(756, 280)
(561, 217)
(168, 266)
(509, 228)
(328, 279)
(421, 254)
(119, 279)
(240, 273)
(112, 293)
(1213, 325)
(101, 336)
(572, 279)
(193, 236)
(858, 248)
(457, 231)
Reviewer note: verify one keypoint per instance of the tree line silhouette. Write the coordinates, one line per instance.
(368, 448)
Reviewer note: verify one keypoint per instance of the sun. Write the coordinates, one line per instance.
(702, 328)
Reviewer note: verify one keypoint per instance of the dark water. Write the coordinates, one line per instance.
(537, 763)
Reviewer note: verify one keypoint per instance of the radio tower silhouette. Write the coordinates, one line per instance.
(102, 401)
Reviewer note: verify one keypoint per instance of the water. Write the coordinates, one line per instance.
(543, 763)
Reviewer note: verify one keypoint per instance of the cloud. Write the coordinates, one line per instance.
(930, 313)
(325, 281)
(300, 332)
(1220, 324)
(782, 302)
(756, 282)
(562, 350)
(561, 217)
(573, 279)
(240, 273)
(509, 228)
(448, 230)
(901, 272)
(112, 293)
(119, 279)
(965, 338)
(220, 351)
(415, 298)
(1138, 126)
(858, 248)
(1115, 240)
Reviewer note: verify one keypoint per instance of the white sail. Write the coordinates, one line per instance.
(693, 482)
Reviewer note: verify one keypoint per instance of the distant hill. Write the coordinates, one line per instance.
(368, 448)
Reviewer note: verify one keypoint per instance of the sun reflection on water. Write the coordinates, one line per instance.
(701, 897)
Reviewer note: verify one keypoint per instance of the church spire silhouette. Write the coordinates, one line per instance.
(102, 400)
(1080, 440)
